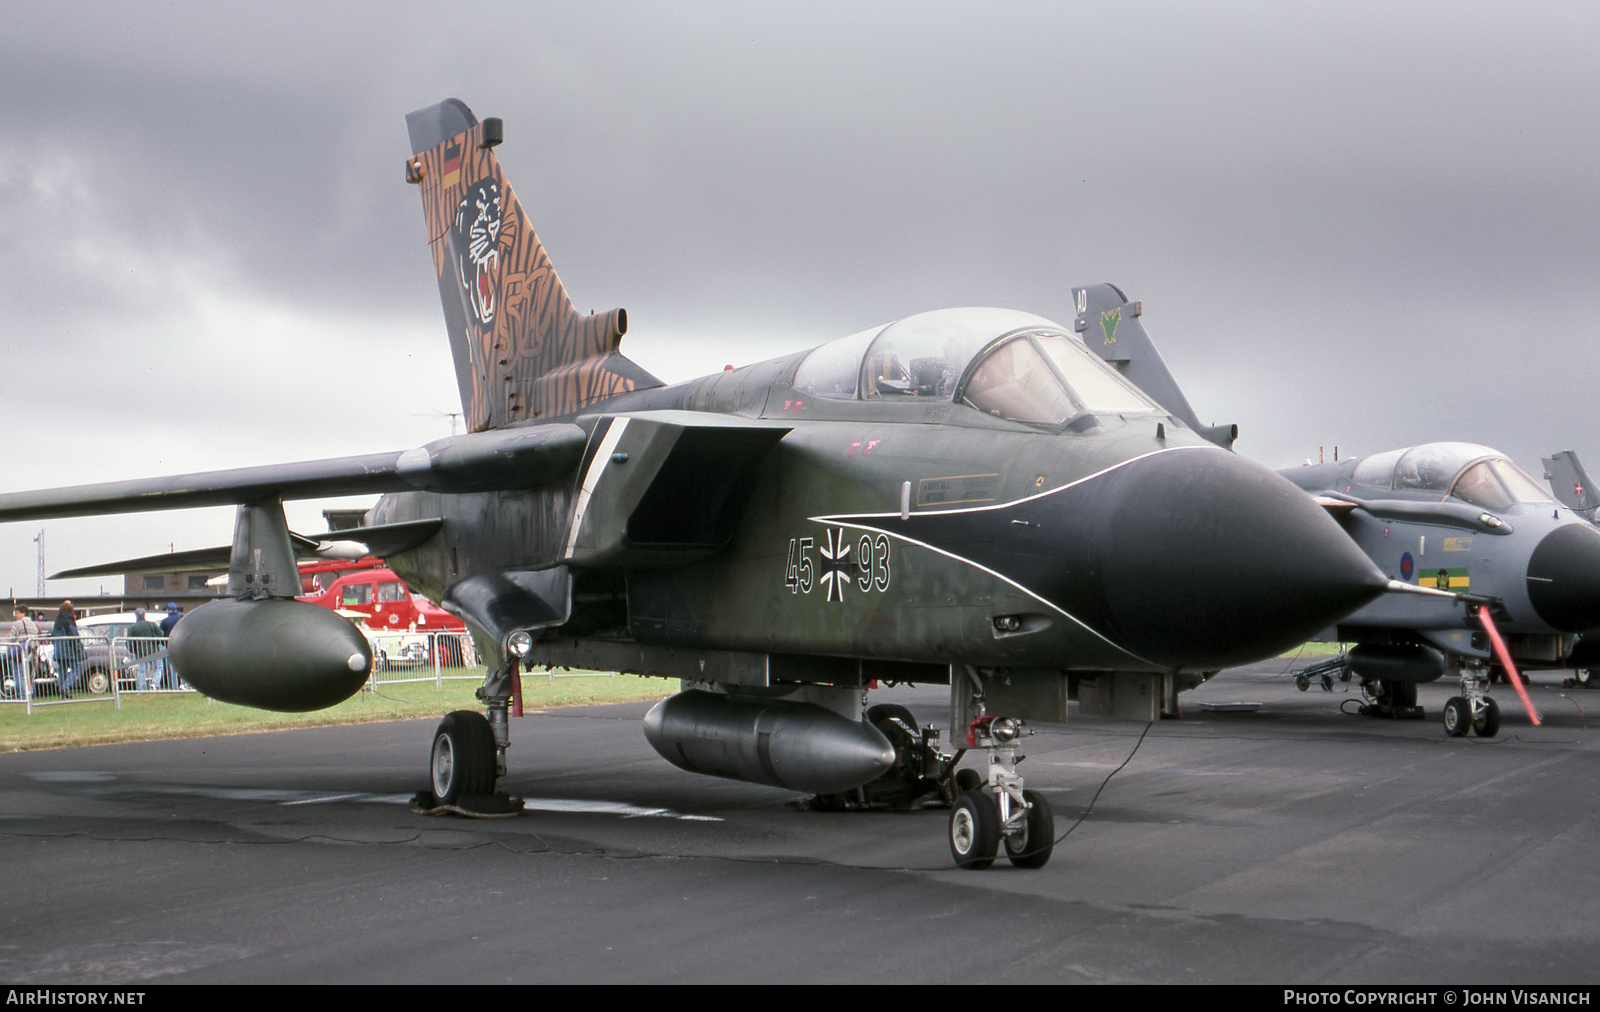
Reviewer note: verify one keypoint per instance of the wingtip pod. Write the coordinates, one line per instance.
(522, 350)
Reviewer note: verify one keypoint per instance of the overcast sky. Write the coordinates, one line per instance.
(1363, 225)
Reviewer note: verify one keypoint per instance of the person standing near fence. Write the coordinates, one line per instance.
(20, 643)
(143, 640)
(170, 676)
(69, 649)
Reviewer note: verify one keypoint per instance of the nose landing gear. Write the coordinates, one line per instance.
(999, 809)
(1473, 710)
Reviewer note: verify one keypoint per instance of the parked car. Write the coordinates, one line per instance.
(114, 627)
(37, 661)
(391, 650)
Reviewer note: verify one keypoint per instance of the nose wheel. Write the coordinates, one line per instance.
(998, 809)
(1474, 711)
(975, 830)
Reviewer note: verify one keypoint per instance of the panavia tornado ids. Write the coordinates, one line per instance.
(1512, 576)
(1573, 489)
(966, 497)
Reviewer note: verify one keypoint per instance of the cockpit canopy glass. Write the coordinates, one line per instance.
(1496, 484)
(1470, 472)
(832, 369)
(1032, 372)
(1015, 382)
(926, 355)
(1044, 376)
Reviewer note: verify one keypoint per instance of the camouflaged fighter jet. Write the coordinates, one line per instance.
(1504, 561)
(965, 497)
(1572, 487)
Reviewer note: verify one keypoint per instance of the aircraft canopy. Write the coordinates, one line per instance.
(998, 361)
(1476, 474)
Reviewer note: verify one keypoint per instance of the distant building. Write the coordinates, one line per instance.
(169, 584)
(344, 519)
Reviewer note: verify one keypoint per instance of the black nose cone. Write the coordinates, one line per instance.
(1209, 560)
(1189, 558)
(1564, 578)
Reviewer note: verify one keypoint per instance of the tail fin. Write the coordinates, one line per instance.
(522, 351)
(1569, 482)
(1110, 327)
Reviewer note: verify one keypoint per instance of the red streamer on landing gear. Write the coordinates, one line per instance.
(516, 688)
(1505, 662)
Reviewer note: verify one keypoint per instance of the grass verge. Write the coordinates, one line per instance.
(1315, 650)
(143, 718)
(189, 715)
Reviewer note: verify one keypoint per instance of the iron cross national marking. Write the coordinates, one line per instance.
(836, 564)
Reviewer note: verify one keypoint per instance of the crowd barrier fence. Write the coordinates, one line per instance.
(94, 668)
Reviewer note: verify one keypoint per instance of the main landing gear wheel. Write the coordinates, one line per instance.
(1457, 717)
(462, 763)
(975, 830)
(880, 712)
(1396, 700)
(1487, 721)
(913, 780)
(1030, 847)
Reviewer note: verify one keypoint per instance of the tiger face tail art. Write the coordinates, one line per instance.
(522, 350)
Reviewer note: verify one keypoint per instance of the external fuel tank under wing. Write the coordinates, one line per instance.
(965, 496)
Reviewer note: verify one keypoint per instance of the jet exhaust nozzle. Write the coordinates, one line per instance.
(799, 746)
(275, 654)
